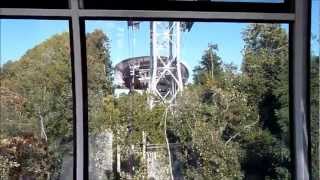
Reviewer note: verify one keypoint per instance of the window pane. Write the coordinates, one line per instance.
(36, 139)
(189, 100)
(314, 90)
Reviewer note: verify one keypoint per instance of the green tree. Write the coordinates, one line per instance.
(314, 117)
(38, 89)
(265, 80)
(99, 63)
(99, 74)
(210, 67)
(223, 111)
(209, 130)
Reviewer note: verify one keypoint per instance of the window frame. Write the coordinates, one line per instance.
(298, 18)
(285, 6)
(220, 6)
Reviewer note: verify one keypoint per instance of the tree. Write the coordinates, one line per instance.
(99, 74)
(314, 117)
(201, 126)
(38, 93)
(227, 125)
(39, 105)
(99, 63)
(265, 80)
(210, 68)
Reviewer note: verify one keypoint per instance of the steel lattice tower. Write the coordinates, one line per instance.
(166, 79)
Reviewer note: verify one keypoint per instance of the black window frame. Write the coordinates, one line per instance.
(286, 6)
(35, 4)
(267, 7)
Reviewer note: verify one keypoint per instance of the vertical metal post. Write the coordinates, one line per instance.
(154, 54)
(154, 61)
(300, 58)
(178, 56)
(171, 39)
(78, 79)
(144, 146)
(165, 50)
(118, 160)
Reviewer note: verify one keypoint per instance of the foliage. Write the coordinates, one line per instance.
(99, 78)
(200, 126)
(225, 122)
(209, 68)
(266, 81)
(128, 117)
(36, 100)
(5, 165)
(228, 124)
(99, 63)
(314, 117)
(26, 156)
(43, 78)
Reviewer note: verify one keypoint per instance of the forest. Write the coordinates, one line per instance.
(229, 123)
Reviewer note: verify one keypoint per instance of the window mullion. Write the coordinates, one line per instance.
(300, 109)
(80, 170)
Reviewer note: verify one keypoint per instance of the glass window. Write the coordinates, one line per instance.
(36, 110)
(189, 100)
(314, 90)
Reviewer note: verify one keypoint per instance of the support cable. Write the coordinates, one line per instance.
(168, 144)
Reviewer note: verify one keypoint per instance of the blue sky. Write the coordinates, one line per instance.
(315, 25)
(125, 43)
(17, 36)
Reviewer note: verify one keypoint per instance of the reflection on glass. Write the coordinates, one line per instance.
(314, 90)
(188, 100)
(36, 140)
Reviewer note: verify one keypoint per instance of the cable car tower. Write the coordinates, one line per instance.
(166, 79)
